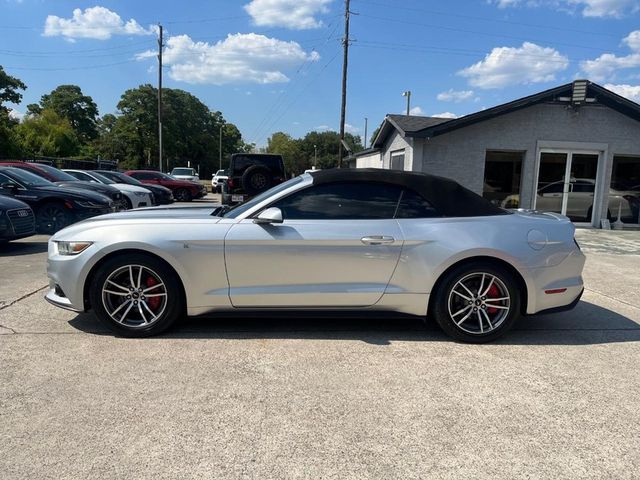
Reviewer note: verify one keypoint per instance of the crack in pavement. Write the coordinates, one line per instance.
(7, 305)
(612, 298)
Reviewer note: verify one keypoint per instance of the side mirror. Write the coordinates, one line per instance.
(268, 216)
(9, 187)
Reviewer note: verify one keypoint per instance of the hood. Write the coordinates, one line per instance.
(76, 194)
(162, 213)
(125, 187)
(8, 203)
(82, 185)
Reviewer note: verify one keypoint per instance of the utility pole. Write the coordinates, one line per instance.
(315, 157)
(366, 122)
(220, 148)
(160, 46)
(345, 44)
(408, 95)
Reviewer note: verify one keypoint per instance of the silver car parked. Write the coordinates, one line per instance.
(329, 240)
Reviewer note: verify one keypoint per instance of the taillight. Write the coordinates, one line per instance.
(230, 182)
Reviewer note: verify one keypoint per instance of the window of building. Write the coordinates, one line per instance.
(397, 160)
(624, 194)
(502, 174)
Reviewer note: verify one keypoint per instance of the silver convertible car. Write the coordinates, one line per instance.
(367, 240)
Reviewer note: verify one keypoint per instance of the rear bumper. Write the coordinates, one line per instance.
(563, 308)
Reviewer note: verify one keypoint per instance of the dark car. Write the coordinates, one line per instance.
(251, 174)
(16, 219)
(162, 195)
(54, 207)
(63, 179)
(183, 190)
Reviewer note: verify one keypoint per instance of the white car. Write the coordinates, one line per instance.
(135, 196)
(185, 173)
(219, 178)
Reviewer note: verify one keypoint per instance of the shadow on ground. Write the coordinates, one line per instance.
(587, 324)
(15, 249)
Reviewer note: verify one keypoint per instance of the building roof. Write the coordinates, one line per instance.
(449, 198)
(576, 94)
(362, 153)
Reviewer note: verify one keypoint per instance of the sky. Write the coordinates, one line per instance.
(275, 65)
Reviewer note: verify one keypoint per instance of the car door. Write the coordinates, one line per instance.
(337, 246)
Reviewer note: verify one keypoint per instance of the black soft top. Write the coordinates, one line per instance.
(447, 196)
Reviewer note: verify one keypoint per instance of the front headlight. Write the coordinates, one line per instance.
(72, 248)
(140, 194)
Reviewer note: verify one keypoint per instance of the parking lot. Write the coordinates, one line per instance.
(559, 397)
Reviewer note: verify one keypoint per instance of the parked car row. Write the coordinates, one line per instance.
(38, 197)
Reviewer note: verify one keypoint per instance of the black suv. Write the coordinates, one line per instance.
(251, 174)
(16, 219)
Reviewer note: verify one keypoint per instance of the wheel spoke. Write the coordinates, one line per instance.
(131, 276)
(151, 295)
(152, 287)
(139, 278)
(119, 286)
(481, 285)
(461, 295)
(144, 319)
(464, 318)
(124, 315)
(500, 307)
(461, 310)
(486, 316)
(465, 287)
(153, 315)
(486, 290)
(120, 308)
(501, 299)
(480, 321)
(120, 294)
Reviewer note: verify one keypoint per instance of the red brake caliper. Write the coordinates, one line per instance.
(493, 293)
(153, 302)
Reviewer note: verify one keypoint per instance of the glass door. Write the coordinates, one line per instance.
(566, 184)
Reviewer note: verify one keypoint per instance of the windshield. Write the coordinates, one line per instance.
(26, 178)
(102, 178)
(166, 176)
(120, 178)
(243, 207)
(220, 172)
(57, 175)
(182, 171)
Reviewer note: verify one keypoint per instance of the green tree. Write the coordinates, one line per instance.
(326, 147)
(9, 93)
(47, 134)
(69, 102)
(294, 161)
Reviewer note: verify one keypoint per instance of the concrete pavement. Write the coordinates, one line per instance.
(339, 398)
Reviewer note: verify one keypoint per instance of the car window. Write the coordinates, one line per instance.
(413, 205)
(82, 176)
(243, 207)
(341, 201)
(143, 175)
(183, 171)
(583, 187)
(102, 178)
(27, 178)
(555, 187)
(54, 174)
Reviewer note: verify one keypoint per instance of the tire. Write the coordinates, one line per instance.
(111, 295)
(182, 195)
(256, 180)
(485, 319)
(127, 202)
(51, 217)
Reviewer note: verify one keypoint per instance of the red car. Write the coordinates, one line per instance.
(183, 190)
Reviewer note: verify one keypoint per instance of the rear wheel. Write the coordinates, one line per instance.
(127, 203)
(477, 302)
(136, 295)
(256, 180)
(51, 217)
(182, 195)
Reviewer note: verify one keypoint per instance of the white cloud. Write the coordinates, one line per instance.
(323, 128)
(240, 58)
(606, 65)
(416, 111)
(293, 14)
(506, 66)
(95, 22)
(452, 95)
(633, 40)
(588, 8)
(350, 128)
(16, 115)
(632, 92)
(445, 115)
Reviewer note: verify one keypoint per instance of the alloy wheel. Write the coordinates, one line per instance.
(479, 303)
(134, 296)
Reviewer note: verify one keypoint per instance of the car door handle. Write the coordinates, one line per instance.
(377, 240)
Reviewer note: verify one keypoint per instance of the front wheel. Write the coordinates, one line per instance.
(182, 195)
(136, 295)
(477, 302)
(51, 217)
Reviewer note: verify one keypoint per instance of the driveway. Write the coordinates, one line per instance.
(376, 398)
